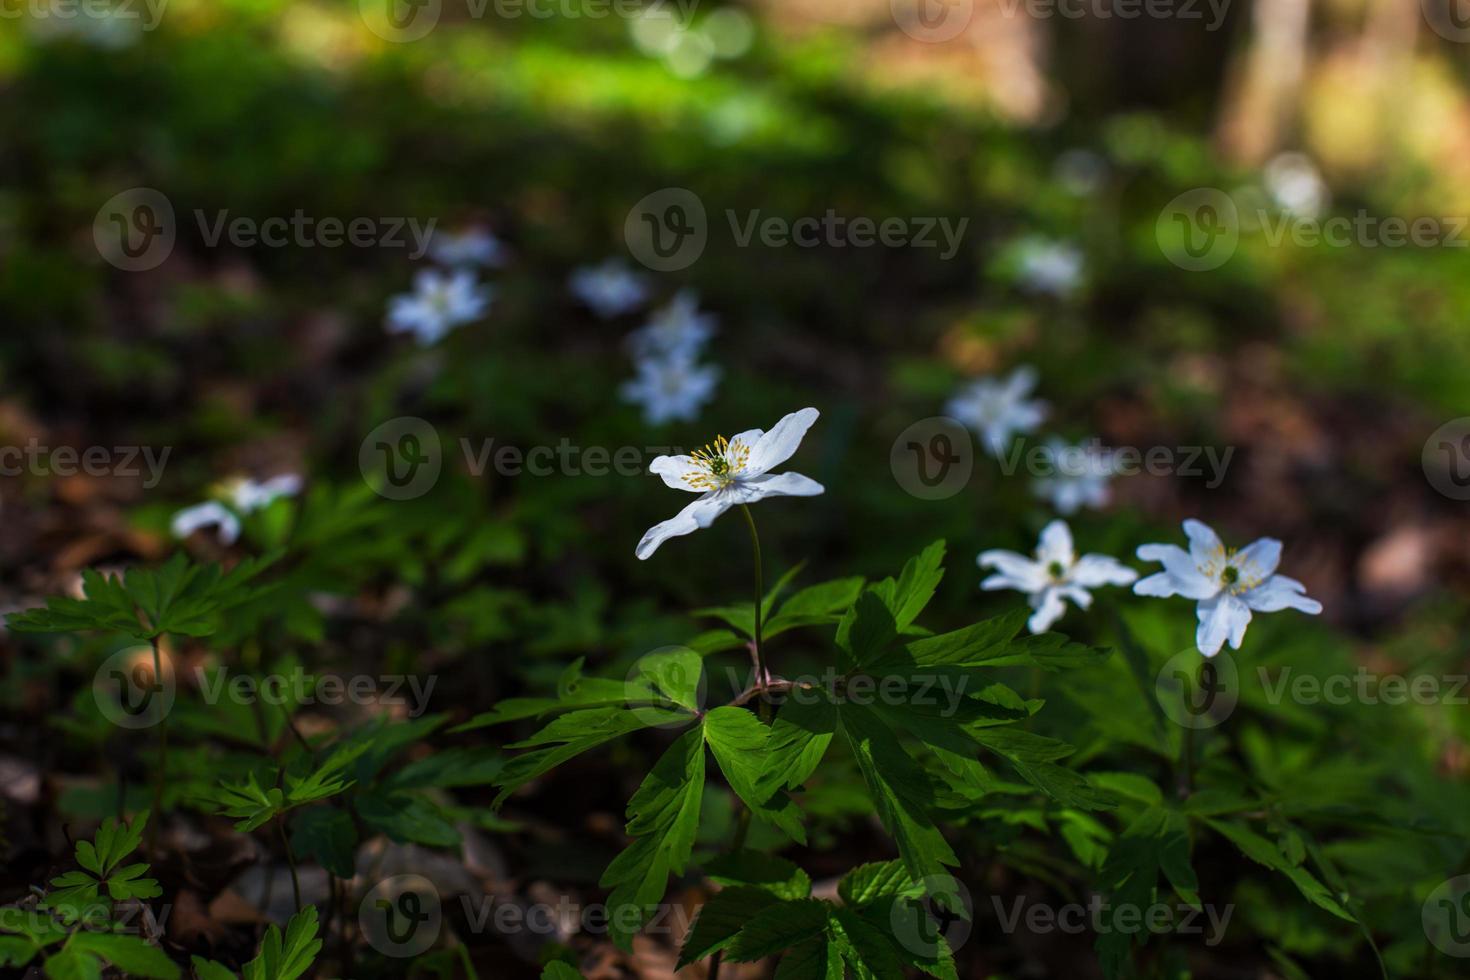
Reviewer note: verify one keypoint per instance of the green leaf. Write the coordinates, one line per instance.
(778, 927)
(866, 629)
(900, 789)
(1262, 851)
(868, 884)
(804, 728)
(327, 836)
(738, 740)
(663, 816)
(676, 674)
(568, 736)
(720, 919)
(916, 584)
(1156, 841)
(776, 875)
(406, 818)
(132, 955)
(557, 970)
(813, 959)
(210, 970)
(288, 958)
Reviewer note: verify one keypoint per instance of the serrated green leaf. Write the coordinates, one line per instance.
(776, 875)
(327, 836)
(720, 919)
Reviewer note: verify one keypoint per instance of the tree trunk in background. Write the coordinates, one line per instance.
(1263, 90)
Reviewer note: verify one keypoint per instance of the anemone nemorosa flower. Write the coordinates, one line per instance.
(671, 388)
(674, 329)
(438, 304)
(1046, 266)
(998, 409)
(1055, 575)
(249, 495)
(210, 513)
(471, 247)
(730, 472)
(1078, 477)
(610, 289)
(1228, 584)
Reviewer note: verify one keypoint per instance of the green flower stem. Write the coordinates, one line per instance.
(161, 775)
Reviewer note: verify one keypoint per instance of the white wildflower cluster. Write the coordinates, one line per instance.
(669, 384)
(451, 295)
(999, 409)
(234, 500)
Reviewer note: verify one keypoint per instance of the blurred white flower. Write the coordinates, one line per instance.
(248, 495)
(1227, 583)
(730, 472)
(1295, 184)
(1054, 576)
(210, 513)
(1046, 266)
(610, 289)
(438, 304)
(471, 247)
(1079, 476)
(998, 409)
(677, 328)
(671, 388)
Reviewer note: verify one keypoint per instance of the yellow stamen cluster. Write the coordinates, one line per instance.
(1235, 578)
(719, 463)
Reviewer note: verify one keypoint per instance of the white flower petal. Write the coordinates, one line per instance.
(1220, 619)
(1027, 574)
(699, 514)
(1258, 559)
(1056, 545)
(777, 446)
(1049, 609)
(781, 485)
(674, 470)
(1279, 592)
(1079, 596)
(212, 512)
(1094, 570)
(1179, 577)
(1204, 544)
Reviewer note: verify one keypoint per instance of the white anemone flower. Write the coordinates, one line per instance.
(249, 496)
(730, 472)
(1228, 584)
(1079, 476)
(674, 329)
(999, 409)
(1054, 576)
(1046, 266)
(671, 388)
(210, 513)
(438, 304)
(610, 289)
(471, 247)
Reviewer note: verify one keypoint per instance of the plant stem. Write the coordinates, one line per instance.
(159, 777)
(759, 688)
(290, 860)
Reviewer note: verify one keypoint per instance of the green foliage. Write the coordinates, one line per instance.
(280, 957)
(178, 597)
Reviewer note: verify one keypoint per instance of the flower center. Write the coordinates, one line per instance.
(719, 463)
(1055, 570)
(1230, 575)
